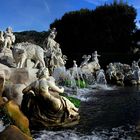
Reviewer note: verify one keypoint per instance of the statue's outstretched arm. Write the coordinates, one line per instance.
(55, 88)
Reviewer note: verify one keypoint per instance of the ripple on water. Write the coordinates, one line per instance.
(119, 133)
(64, 135)
(84, 94)
(2, 127)
(107, 118)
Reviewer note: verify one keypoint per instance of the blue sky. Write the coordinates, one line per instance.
(37, 15)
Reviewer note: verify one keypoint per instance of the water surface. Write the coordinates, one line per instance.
(105, 115)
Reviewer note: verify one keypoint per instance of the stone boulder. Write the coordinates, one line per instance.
(20, 75)
(13, 133)
(6, 70)
(14, 92)
(2, 102)
(2, 81)
(23, 75)
(6, 58)
(19, 119)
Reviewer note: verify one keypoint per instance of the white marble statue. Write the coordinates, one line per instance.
(95, 57)
(48, 106)
(24, 51)
(101, 77)
(57, 57)
(135, 64)
(53, 33)
(49, 42)
(111, 71)
(86, 60)
(9, 38)
(136, 74)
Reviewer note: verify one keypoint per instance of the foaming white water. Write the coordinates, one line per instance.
(101, 87)
(82, 94)
(2, 127)
(64, 135)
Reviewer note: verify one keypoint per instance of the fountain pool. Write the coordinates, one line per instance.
(111, 114)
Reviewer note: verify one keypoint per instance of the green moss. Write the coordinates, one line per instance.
(79, 83)
(74, 100)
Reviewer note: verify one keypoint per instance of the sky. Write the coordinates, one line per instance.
(37, 15)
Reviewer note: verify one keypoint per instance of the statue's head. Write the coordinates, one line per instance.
(9, 29)
(110, 64)
(54, 29)
(134, 62)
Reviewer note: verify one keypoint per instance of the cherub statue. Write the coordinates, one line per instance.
(47, 107)
(95, 57)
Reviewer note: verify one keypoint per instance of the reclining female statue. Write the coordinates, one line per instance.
(42, 106)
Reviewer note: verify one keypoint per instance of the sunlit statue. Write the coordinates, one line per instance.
(53, 56)
(53, 33)
(9, 38)
(49, 42)
(57, 57)
(45, 106)
(24, 51)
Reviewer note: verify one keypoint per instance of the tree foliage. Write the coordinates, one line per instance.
(31, 36)
(108, 28)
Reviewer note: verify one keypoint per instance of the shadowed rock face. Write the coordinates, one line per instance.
(14, 92)
(2, 82)
(13, 133)
(1, 102)
(20, 129)
(21, 121)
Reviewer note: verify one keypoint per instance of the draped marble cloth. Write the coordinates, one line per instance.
(40, 112)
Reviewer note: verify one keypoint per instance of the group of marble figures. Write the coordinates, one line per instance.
(41, 101)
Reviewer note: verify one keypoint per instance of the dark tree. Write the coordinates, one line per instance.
(31, 36)
(108, 28)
